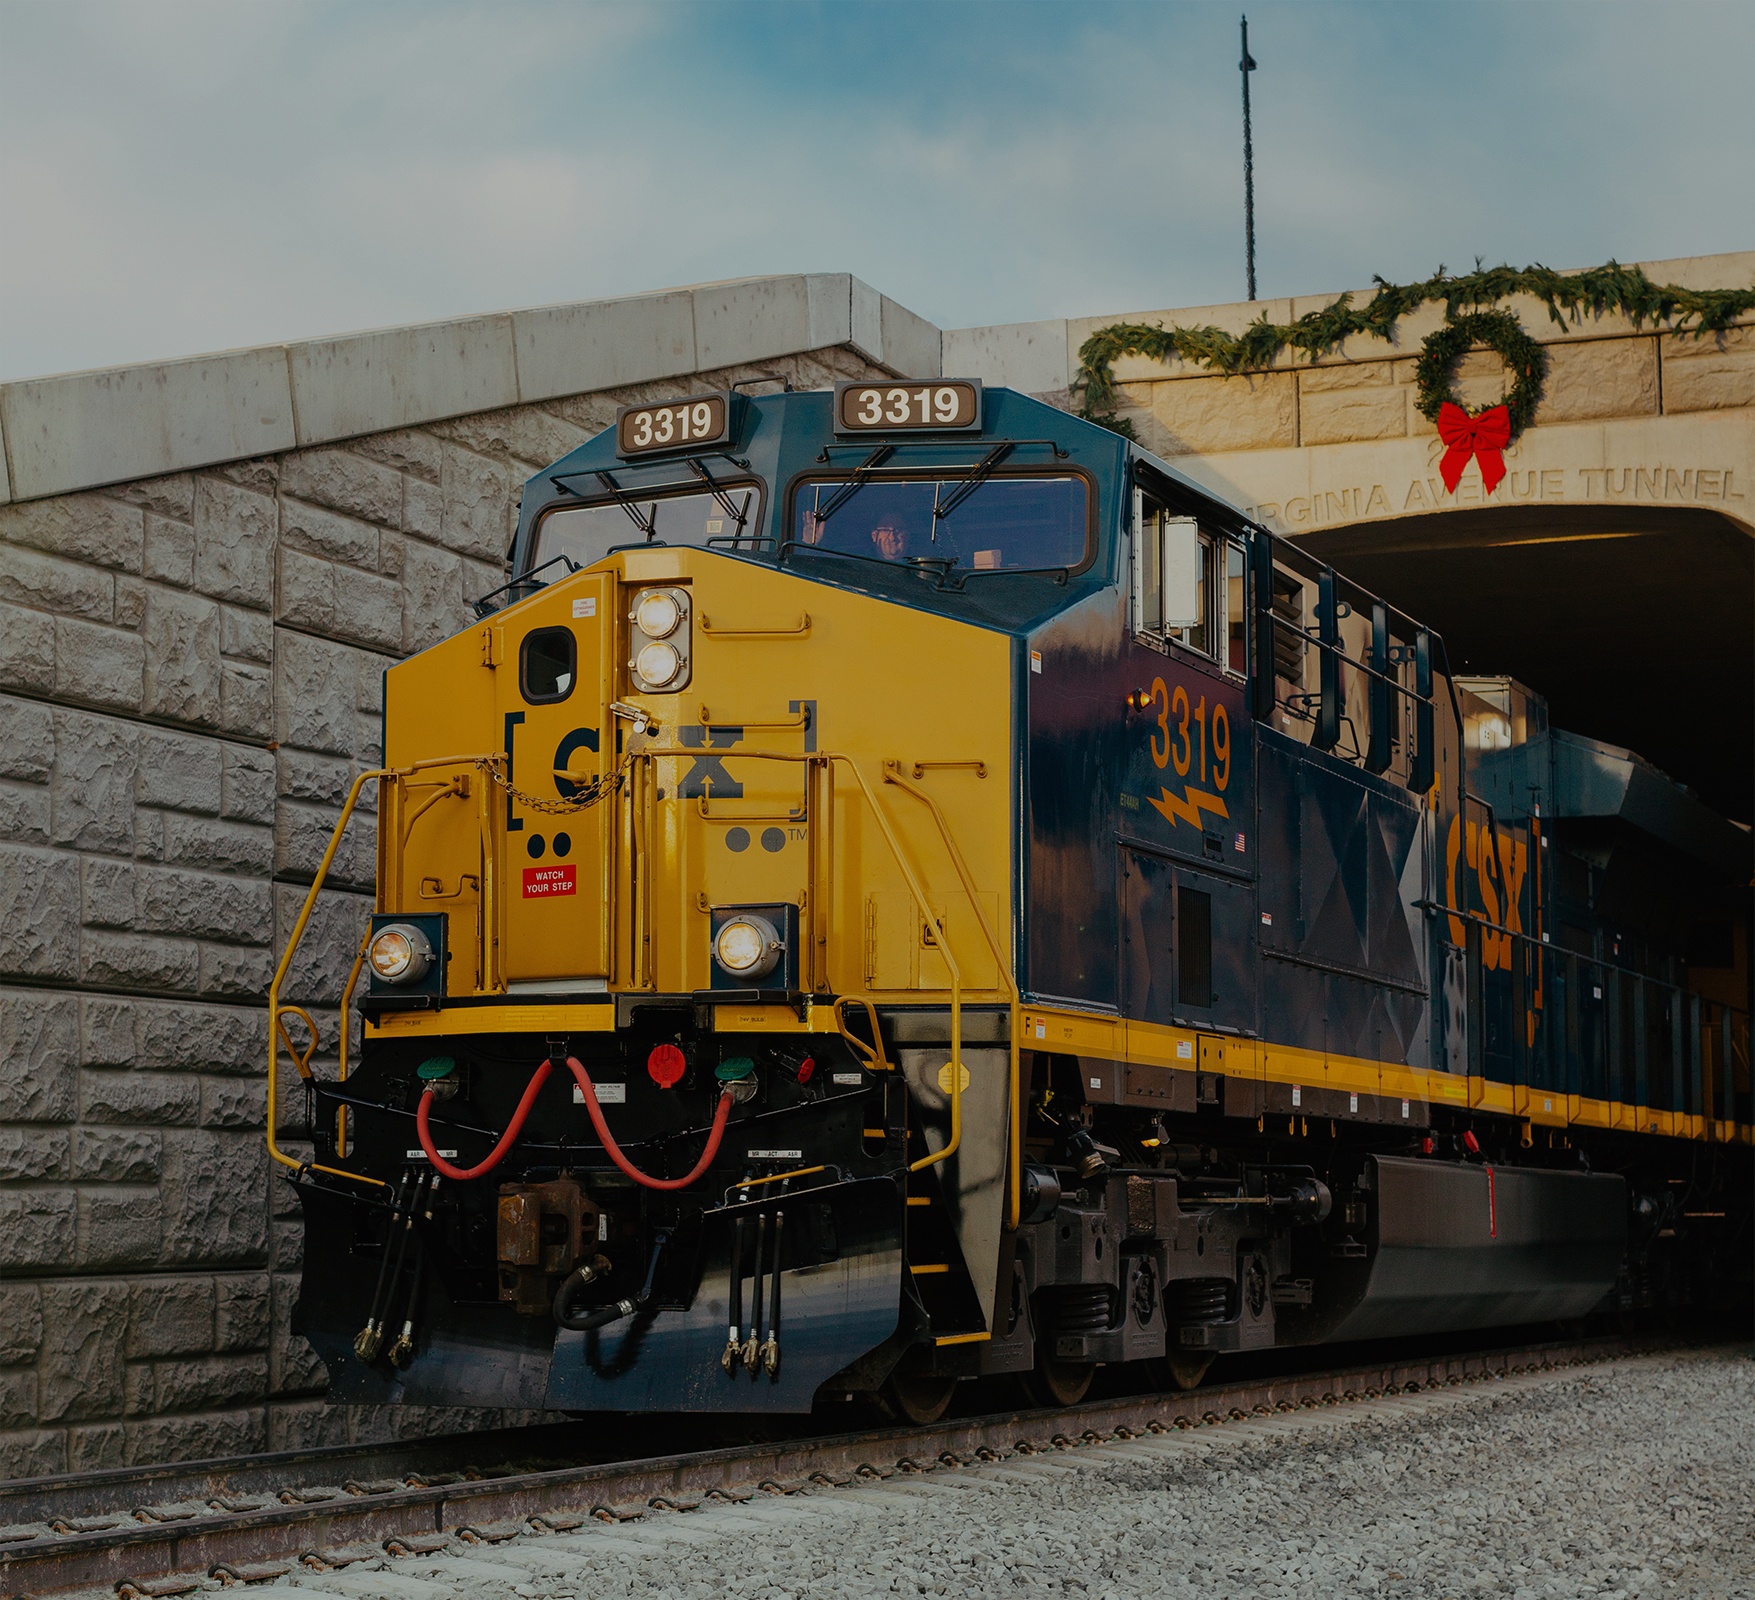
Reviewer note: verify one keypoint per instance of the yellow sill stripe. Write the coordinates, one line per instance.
(1140, 1044)
(455, 1021)
(1144, 1044)
(572, 1017)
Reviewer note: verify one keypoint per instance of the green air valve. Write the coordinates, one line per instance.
(435, 1067)
(734, 1069)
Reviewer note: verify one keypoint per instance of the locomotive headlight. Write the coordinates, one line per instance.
(658, 640)
(400, 953)
(747, 947)
(658, 615)
(658, 664)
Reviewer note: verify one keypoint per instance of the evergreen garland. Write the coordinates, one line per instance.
(1567, 295)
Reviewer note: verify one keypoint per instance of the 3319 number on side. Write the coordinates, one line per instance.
(950, 405)
(674, 425)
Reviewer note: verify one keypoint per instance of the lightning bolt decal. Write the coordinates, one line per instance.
(1188, 807)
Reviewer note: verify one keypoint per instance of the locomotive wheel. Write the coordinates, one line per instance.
(917, 1397)
(1059, 1383)
(1179, 1371)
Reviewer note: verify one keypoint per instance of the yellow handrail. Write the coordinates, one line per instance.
(274, 1006)
(796, 814)
(276, 1033)
(873, 1053)
(458, 787)
(353, 977)
(779, 1177)
(301, 1059)
(712, 632)
(802, 720)
(893, 774)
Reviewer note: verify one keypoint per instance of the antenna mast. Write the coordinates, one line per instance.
(1247, 66)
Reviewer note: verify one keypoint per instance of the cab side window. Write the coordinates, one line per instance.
(1236, 609)
(547, 665)
(1148, 565)
(1160, 575)
(1188, 584)
(1201, 634)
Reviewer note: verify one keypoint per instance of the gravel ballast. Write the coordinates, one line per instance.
(1634, 1477)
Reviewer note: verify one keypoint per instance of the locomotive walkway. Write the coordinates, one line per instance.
(1553, 1470)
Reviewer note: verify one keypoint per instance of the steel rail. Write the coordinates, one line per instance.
(626, 1489)
(118, 1491)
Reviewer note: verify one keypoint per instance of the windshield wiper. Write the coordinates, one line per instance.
(857, 482)
(982, 471)
(646, 522)
(739, 516)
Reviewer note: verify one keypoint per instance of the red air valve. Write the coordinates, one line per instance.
(1471, 1143)
(1426, 1145)
(805, 1068)
(666, 1065)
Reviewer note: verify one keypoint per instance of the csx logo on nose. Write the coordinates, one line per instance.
(707, 777)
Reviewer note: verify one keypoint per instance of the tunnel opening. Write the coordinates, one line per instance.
(1637, 625)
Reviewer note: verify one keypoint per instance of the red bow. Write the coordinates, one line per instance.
(1482, 437)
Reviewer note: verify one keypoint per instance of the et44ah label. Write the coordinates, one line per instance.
(541, 882)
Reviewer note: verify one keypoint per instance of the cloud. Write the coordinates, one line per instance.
(189, 176)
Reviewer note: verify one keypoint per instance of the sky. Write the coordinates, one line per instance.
(192, 176)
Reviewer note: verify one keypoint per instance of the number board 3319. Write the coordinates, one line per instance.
(673, 425)
(950, 405)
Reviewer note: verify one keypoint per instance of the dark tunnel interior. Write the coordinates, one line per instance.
(1638, 628)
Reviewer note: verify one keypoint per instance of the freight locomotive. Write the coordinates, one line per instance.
(902, 886)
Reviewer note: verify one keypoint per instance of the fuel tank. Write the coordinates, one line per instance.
(1456, 1245)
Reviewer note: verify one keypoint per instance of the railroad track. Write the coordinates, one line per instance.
(160, 1530)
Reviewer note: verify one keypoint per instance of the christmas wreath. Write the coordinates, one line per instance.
(1501, 333)
(1470, 319)
(1485, 434)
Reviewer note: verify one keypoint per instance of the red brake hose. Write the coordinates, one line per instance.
(507, 1139)
(721, 1115)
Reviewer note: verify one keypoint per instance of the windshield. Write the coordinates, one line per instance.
(997, 525)
(588, 533)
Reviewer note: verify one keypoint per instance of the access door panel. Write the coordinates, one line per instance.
(554, 681)
(1215, 951)
(1188, 945)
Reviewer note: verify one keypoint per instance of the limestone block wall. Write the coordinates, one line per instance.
(1621, 373)
(190, 677)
